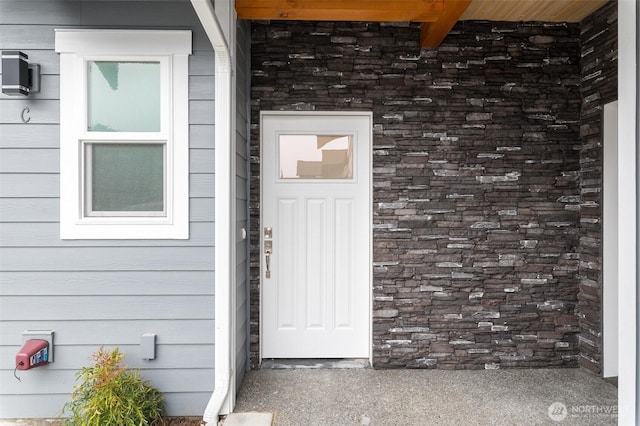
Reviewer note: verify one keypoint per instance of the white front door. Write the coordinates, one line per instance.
(316, 227)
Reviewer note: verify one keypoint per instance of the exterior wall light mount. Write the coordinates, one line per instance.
(18, 76)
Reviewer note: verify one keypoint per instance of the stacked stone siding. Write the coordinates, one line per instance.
(476, 180)
(599, 85)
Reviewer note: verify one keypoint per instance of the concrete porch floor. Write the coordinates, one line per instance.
(367, 397)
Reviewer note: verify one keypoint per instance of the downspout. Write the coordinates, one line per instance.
(223, 220)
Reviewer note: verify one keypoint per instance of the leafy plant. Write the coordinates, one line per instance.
(110, 394)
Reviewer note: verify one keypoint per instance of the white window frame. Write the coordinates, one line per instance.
(172, 49)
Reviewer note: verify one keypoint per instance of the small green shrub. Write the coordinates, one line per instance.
(109, 394)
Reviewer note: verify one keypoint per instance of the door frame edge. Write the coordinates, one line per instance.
(369, 116)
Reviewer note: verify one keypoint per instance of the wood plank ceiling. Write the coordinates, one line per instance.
(437, 16)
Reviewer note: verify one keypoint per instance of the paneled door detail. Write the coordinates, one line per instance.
(315, 236)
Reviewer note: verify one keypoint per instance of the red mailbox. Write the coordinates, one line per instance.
(33, 353)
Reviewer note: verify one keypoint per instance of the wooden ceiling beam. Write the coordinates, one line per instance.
(437, 16)
(432, 33)
(342, 10)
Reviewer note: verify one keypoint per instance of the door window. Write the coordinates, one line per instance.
(315, 156)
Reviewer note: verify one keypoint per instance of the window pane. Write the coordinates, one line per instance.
(126, 177)
(124, 96)
(315, 157)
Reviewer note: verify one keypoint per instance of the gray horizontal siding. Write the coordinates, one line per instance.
(107, 307)
(29, 185)
(29, 210)
(28, 37)
(93, 333)
(201, 87)
(23, 137)
(201, 136)
(42, 111)
(201, 112)
(47, 234)
(109, 292)
(202, 63)
(56, 381)
(135, 283)
(49, 12)
(30, 160)
(106, 259)
(202, 161)
(242, 195)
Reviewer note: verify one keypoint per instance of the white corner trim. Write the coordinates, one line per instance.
(628, 76)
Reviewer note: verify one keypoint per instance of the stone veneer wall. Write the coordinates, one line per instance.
(599, 85)
(476, 173)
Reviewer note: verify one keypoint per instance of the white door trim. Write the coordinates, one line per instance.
(369, 302)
